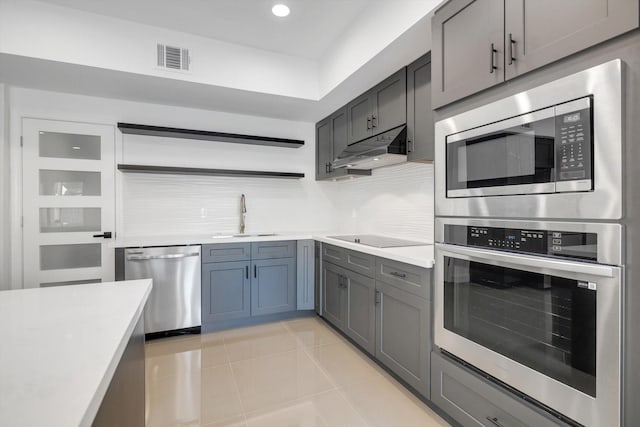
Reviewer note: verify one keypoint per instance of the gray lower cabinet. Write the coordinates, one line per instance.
(261, 280)
(332, 294)
(473, 401)
(226, 291)
(420, 133)
(273, 286)
(360, 315)
(403, 340)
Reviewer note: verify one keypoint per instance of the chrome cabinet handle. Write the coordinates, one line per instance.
(374, 122)
(512, 42)
(409, 146)
(378, 298)
(492, 59)
(169, 256)
(400, 275)
(368, 123)
(105, 235)
(494, 421)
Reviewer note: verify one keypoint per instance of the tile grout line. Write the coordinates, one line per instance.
(235, 382)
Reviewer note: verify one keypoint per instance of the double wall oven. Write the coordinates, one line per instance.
(529, 246)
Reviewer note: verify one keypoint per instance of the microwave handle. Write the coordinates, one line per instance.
(514, 260)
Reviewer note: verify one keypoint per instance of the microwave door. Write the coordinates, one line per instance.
(515, 156)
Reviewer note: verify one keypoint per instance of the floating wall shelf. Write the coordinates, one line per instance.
(130, 128)
(212, 172)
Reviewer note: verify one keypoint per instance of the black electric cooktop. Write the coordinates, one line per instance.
(377, 241)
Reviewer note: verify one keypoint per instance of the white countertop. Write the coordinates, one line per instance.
(421, 256)
(59, 348)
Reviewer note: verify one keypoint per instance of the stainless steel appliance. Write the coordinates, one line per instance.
(377, 241)
(554, 151)
(174, 302)
(388, 148)
(537, 305)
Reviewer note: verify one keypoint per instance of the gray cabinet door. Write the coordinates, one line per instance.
(360, 316)
(339, 131)
(317, 299)
(333, 294)
(226, 291)
(468, 41)
(420, 131)
(305, 274)
(389, 107)
(547, 30)
(324, 148)
(273, 286)
(403, 341)
(472, 401)
(359, 118)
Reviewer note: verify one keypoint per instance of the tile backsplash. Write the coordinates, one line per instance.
(397, 201)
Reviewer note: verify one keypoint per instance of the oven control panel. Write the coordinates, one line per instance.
(564, 244)
(573, 145)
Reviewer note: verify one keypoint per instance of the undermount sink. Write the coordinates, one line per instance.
(228, 236)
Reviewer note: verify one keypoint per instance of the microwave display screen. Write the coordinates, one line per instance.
(571, 118)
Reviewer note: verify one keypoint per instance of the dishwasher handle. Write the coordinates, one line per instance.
(168, 256)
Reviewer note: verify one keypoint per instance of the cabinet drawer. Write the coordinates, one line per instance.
(473, 401)
(272, 250)
(334, 254)
(360, 262)
(409, 278)
(223, 252)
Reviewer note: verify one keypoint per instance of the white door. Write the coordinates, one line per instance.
(68, 202)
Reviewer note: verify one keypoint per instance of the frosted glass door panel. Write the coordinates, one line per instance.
(61, 220)
(69, 183)
(69, 146)
(60, 257)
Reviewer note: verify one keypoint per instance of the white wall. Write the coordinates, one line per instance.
(396, 200)
(42, 30)
(5, 234)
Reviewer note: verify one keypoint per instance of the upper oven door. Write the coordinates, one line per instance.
(514, 156)
(521, 157)
(549, 328)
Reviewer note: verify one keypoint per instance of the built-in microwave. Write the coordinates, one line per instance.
(553, 151)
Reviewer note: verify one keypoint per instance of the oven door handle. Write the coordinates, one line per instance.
(522, 260)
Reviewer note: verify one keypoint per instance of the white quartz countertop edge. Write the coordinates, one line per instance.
(61, 347)
(421, 256)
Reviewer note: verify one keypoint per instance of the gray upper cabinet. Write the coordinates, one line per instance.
(226, 291)
(359, 118)
(360, 316)
(339, 131)
(273, 286)
(480, 43)
(389, 107)
(547, 30)
(381, 108)
(420, 132)
(467, 50)
(324, 149)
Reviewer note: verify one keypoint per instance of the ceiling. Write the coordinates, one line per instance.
(311, 28)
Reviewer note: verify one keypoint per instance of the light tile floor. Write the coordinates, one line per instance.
(293, 373)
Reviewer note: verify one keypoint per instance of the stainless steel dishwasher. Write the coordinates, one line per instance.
(174, 303)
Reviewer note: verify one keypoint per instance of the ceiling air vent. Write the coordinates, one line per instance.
(173, 58)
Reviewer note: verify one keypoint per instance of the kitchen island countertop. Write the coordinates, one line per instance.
(60, 347)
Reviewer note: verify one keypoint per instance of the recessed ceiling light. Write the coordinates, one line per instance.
(280, 10)
(75, 147)
(376, 159)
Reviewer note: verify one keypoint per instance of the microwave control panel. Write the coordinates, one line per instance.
(574, 145)
(564, 244)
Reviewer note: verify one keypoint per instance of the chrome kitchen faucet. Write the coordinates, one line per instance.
(243, 213)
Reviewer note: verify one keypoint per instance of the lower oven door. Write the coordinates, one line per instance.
(549, 328)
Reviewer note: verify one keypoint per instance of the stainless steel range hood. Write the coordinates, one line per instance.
(388, 148)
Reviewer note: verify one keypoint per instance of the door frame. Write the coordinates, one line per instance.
(16, 116)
